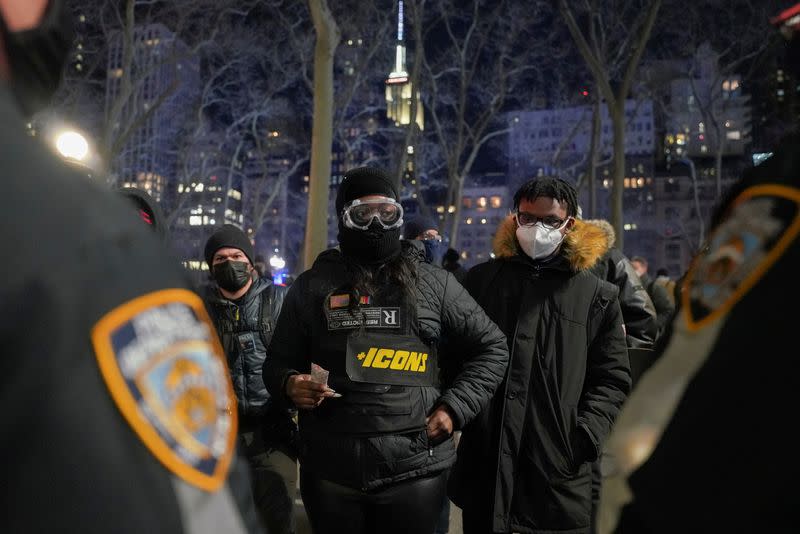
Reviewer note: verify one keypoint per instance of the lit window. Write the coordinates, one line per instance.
(466, 202)
(627, 183)
(734, 135)
(496, 201)
(469, 220)
(439, 209)
(195, 220)
(451, 209)
(199, 188)
(482, 202)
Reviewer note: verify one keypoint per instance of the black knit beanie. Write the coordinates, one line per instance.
(375, 245)
(417, 226)
(228, 236)
(361, 182)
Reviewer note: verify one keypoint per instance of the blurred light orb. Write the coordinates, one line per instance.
(276, 262)
(73, 145)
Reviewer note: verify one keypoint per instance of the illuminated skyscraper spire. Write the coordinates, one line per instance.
(398, 86)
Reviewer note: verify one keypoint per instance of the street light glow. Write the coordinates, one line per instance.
(277, 262)
(73, 145)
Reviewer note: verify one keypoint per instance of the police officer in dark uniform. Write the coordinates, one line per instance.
(116, 403)
(703, 444)
(375, 433)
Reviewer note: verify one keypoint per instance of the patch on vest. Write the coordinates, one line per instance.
(762, 223)
(390, 359)
(370, 317)
(162, 363)
(343, 301)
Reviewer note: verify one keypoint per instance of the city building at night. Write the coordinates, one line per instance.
(167, 79)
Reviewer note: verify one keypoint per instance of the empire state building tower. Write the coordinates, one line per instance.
(399, 89)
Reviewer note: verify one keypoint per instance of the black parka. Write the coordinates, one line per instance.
(443, 309)
(638, 310)
(522, 460)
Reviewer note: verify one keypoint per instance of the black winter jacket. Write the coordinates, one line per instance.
(245, 328)
(638, 311)
(525, 460)
(443, 309)
(661, 301)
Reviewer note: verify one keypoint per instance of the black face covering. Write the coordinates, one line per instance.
(369, 247)
(232, 275)
(36, 57)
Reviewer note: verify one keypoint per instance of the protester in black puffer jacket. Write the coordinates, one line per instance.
(375, 458)
(638, 311)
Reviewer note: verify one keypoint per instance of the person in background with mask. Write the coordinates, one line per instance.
(116, 402)
(524, 464)
(376, 432)
(426, 230)
(244, 308)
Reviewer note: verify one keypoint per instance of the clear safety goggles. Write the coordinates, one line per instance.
(359, 214)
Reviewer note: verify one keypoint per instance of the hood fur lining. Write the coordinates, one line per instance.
(583, 246)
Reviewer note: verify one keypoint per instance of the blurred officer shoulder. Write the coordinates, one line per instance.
(112, 380)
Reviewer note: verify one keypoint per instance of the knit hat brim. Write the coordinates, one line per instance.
(228, 236)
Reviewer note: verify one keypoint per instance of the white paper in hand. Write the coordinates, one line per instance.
(319, 375)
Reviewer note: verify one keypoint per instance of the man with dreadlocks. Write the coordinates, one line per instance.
(524, 464)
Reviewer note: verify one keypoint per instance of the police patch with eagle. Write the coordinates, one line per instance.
(163, 364)
(763, 221)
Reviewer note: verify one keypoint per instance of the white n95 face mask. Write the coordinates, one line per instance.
(537, 241)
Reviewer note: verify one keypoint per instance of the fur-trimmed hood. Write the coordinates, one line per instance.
(606, 227)
(583, 246)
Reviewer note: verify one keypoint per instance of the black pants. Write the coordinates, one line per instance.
(476, 522)
(408, 507)
(273, 475)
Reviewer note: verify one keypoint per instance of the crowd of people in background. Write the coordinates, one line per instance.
(555, 388)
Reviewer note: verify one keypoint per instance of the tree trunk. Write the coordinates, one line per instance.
(718, 170)
(455, 200)
(593, 153)
(617, 187)
(316, 238)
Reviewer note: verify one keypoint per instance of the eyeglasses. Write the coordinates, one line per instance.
(550, 222)
(359, 214)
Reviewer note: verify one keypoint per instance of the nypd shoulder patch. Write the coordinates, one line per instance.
(163, 365)
(762, 223)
